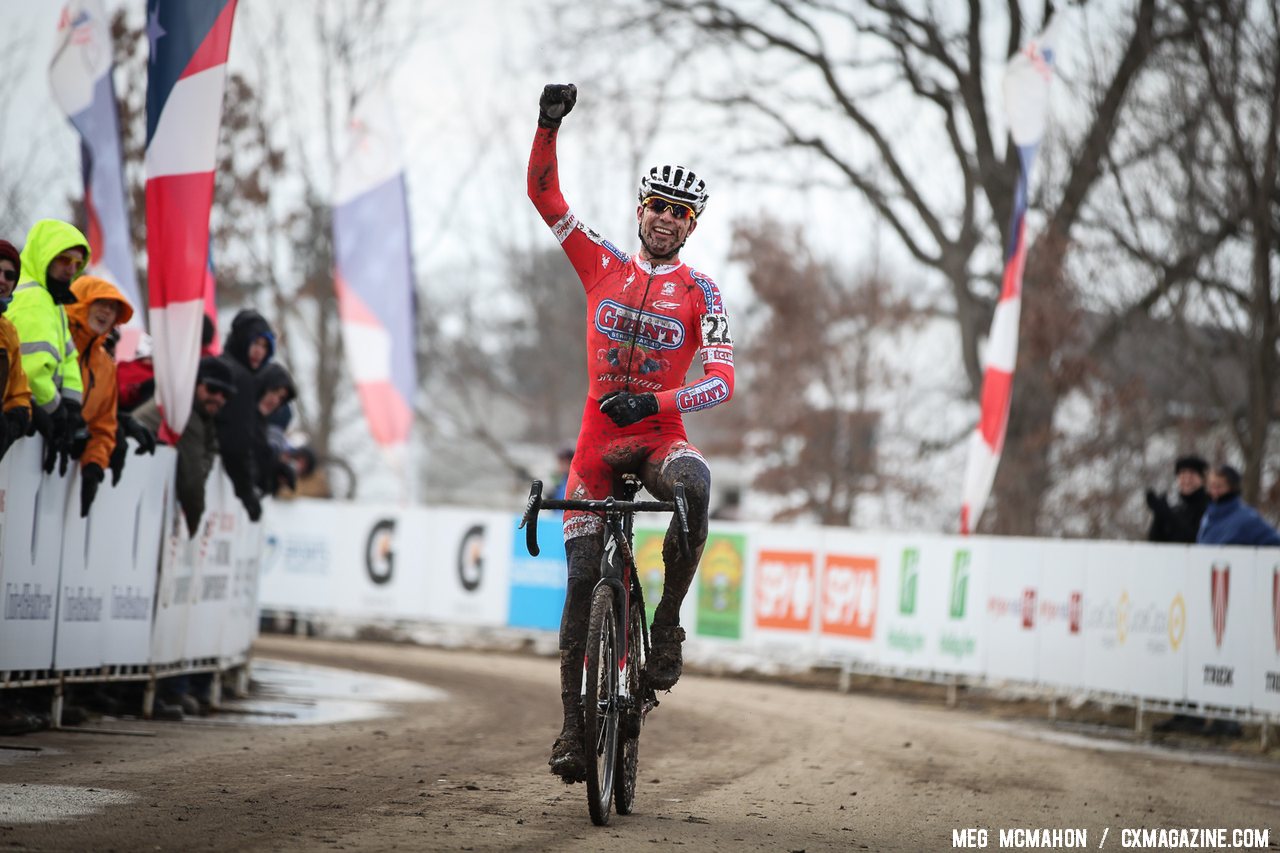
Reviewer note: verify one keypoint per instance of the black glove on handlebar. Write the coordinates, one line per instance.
(556, 102)
(625, 409)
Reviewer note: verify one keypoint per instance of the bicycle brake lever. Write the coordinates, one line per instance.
(529, 520)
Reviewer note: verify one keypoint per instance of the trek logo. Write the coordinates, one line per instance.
(704, 395)
(959, 585)
(1219, 585)
(652, 331)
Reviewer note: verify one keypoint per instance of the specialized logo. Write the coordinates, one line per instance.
(471, 558)
(604, 262)
(704, 395)
(959, 585)
(908, 581)
(785, 590)
(622, 323)
(850, 590)
(380, 553)
(1219, 586)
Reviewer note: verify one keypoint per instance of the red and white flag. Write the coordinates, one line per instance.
(187, 75)
(1026, 94)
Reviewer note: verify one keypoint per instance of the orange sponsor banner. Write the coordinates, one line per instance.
(850, 592)
(785, 589)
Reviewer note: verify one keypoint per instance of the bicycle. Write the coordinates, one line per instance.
(615, 699)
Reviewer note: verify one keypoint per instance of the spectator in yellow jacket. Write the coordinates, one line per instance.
(99, 308)
(54, 254)
(15, 401)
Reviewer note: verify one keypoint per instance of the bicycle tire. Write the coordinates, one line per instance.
(600, 705)
(624, 796)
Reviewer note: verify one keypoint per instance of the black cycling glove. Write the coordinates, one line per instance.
(625, 408)
(556, 102)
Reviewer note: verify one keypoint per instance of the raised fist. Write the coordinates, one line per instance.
(556, 102)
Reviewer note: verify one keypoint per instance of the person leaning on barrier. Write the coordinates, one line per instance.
(198, 446)
(99, 308)
(275, 390)
(1229, 520)
(54, 254)
(249, 345)
(1180, 522)
(16, 399)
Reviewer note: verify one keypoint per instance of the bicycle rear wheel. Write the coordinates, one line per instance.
(629, 742)
(600, 704)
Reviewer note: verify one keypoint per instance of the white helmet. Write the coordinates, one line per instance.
(675, 183)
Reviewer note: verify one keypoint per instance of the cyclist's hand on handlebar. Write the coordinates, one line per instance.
(556, 102)
(625, 408)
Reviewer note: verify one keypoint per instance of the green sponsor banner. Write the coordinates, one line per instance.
(650, 568)
(959, 584)
(720, 576)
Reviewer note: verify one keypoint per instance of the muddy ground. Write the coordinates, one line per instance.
(725, 765)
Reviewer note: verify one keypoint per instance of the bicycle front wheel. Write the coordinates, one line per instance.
(600, 704)
(629, 742)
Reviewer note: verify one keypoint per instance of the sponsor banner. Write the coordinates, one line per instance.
(907, 594)
(30, 552)
(298, 562)
(1264, 605)
(848, 617)
(538, 583)
(242, 620)
(1060, 606)
(466, 565)
(1219, 624)
(960, 637)
(209, 593)
(650, 567)
(1011, 608)
(720, 586)
(784, 586)
(1136, 620)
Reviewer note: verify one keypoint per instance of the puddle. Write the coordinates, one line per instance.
(287, 693)
(1104, 741)
(47, 803)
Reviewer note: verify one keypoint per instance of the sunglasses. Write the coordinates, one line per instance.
(9, 275)
(658, 205)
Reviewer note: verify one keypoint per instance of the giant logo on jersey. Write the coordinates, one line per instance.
(622, 323)
(704, 395)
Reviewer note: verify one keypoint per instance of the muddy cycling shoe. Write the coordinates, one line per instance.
(662, 669)
(566, 757)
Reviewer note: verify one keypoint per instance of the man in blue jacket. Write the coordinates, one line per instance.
(1228, 520)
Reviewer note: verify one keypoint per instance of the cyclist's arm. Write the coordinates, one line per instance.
(580, 243)
(716, 351)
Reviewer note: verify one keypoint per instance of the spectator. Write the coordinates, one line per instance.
(1181, 522)
(16, 399)
(275, 389)
(1229, 520)
(249, 345)
(98, 308)
(313, 480)
(564, 462)
(53, 256)
(198, 446)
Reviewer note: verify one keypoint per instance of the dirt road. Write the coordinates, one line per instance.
(725, 765)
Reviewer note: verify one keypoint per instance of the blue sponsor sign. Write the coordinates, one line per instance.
(538, 583)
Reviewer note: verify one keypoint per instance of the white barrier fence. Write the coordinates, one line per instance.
(1162, 624)
(125, 591)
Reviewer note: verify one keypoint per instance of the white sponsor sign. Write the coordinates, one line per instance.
(1219, 626)
(783, 588)
(912, 599)
(1060, 607)
(467, 565)
(848, 619)
(1265, 620)
(28, 564)
(1011, 608)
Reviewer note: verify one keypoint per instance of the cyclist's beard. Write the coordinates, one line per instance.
(653, 255)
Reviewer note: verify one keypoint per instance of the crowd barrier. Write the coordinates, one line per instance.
(124, 594)
(1159, 626)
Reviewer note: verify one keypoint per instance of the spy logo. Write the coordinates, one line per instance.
(379, 552)
(471, 558)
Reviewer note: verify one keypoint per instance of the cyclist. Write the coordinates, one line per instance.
(648, 315)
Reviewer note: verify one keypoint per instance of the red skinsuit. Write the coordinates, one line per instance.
(645, 322)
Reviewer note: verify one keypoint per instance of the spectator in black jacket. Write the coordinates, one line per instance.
(249, 345)
(1180, 522)
(275, 390)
